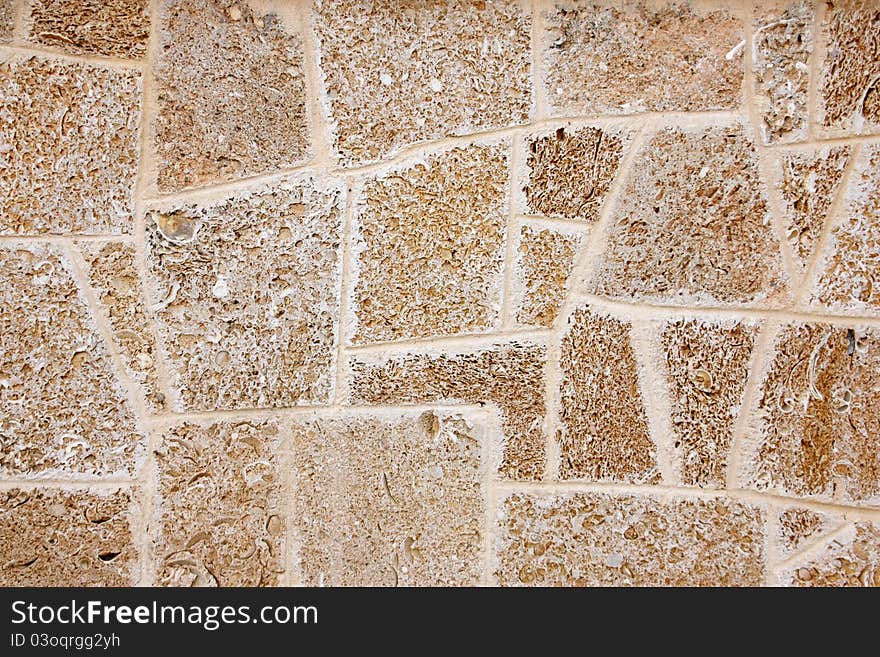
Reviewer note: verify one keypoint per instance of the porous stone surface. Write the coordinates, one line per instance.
(625, 57)
(798, 527)
(817, 433)
(507, 375)
(594, 539)
(423, 70)
(69, 146)
(219, 512)
(546, 259)
(389, 501)
(249, 294)
(604, 434)
(66, 538)
(63, 411)
(231, 92)
(850, 560)
(692, 226)
(115, 28)
(429, 244)
(707, 366)
(7, 19)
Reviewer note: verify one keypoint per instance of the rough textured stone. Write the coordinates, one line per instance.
(510, 376)
(113, 276)
(62, 409)
(707, 365)
(591, 539)
(62, 538)
(809, 184)
(421, 70)
(626, 57)
(818, 430)
(7, 19)
(544, 264)
(783, 41)
(692, 226)
(569, 172)
(798, 527)
(249, 289)
(850, 560)
(849, 278)
(220, 495)
(604, 434)
(231, 92)
(389, 501)
(429, 243)
(849, 94)
(68, 143)
(116, 28)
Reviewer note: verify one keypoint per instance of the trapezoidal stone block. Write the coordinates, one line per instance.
(63, 411)
(428, 246)
(852, 559)
(692, 226)
(249, 295)
(422, 71)
(389, 500)
(798, 527)
(69, 144)
(627, 57)
(595, 539)
(508, 375)
(231, 92)
(66, 538)
(219, 513)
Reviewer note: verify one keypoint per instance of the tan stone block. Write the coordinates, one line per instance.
(594, 539)
(429, 244)
(62, 408)
(116, 28)
(219, 514)
(231, 91)
(692, 226)
(604, 435)
(798, 527)
(113, 276)
(783, 41)
(64, 538)
(70, 146)
(390, 501)
(625, 57)
(545, 261)
(849, 94)
(508, 375)
(707, 367)
(8, 9)
(817, 431)
(250, 293)
(852, 559)
(422, 71)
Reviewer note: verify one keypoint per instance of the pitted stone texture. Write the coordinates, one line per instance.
(592, 539)
(569, 172)
(798, 527)
(113, 276)
(115, 28)
(809, 185)
(389, 501)
(852, 559)
(231, 93)
(604, 434)
(783, 41)
(69, 145)
(422, 71)
(62, 409)
(62, 538)
(219, 510)
(849, 278)
(707, 365)
(249, 290)
(7, 19)
(544, 265)
(622, 58)
(692, 227)
(429, 244)
(818, 432)
(849, 91)
(509, 375)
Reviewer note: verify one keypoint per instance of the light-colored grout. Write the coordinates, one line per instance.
(68, 238)
(462, 340)
(73, 483)
(491, 428)
(32, 50)
(812, 549)
(814, 63)
(21, 20)
(771, 545)
(511, 238)
(340, 391)
(539, 91)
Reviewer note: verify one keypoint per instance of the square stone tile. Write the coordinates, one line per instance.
(852, 559)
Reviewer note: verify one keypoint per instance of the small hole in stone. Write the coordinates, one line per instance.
(108, 556)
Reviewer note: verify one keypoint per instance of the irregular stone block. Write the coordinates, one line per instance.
(852, 559)
(8, 10)
(797, 527)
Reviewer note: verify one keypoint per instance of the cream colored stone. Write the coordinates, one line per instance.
(545, 261)
(117, 28)
(852, 559)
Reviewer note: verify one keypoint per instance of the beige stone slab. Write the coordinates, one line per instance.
(852, 559)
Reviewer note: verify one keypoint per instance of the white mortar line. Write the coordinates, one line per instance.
(813, 549)
(31, 50)
(463, 340)
(539, 90)
(33, 483)
(20, 21)
(67, 238)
